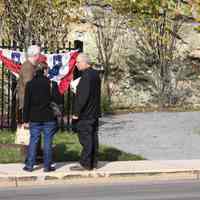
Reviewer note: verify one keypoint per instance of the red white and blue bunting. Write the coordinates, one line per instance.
(61, 65)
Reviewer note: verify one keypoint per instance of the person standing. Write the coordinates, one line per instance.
(38, 113)
(26, 74)
(86, 113)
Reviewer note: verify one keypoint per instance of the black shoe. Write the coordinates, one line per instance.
(53, 164)
(50, 169)
(95, 167)
(27, 169)
(80, 168)
(39, 160)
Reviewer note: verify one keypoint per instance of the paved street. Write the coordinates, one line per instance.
(162, 136)
(111, 191)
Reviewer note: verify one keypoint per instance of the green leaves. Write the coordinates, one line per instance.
(153, 8)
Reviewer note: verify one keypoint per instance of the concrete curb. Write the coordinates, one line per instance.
(12, 174)
(60, 176)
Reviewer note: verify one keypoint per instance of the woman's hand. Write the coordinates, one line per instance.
(25, 125)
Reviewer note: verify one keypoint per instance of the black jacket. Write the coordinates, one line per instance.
(37, 100)
(56, 96)
(88, 95)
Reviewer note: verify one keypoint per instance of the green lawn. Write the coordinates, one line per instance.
(66, 148)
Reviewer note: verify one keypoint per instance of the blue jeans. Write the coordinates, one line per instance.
(49, 129)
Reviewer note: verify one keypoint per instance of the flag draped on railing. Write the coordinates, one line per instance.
(61, 65)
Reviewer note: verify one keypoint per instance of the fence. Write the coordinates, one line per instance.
(8, 105)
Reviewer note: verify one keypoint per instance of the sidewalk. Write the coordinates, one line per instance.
(145, 170)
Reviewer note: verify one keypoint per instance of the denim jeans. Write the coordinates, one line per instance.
(49, 129)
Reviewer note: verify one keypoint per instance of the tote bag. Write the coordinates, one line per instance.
(22, 136)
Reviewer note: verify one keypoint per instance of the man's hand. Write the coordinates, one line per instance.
(74, 117)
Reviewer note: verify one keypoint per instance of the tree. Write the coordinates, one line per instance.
(156, 26)
(37, 20)
(109, 27)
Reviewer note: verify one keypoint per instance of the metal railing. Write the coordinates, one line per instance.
(9, 112)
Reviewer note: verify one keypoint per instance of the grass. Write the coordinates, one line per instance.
(66, 148)
(11, 155)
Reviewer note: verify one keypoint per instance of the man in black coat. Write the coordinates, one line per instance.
(86, 113)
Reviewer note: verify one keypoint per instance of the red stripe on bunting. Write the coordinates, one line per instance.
(65, 82)
(9, 64)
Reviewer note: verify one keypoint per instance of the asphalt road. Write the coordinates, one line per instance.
(188, 190)
(154, 135)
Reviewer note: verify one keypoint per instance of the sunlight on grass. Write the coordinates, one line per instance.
(66, 147)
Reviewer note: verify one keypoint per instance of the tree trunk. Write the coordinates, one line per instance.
(106, 93)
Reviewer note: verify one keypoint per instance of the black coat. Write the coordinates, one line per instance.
(88, 95)
(37, 100)
(56, 96)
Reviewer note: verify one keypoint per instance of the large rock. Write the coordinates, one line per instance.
(124, 93)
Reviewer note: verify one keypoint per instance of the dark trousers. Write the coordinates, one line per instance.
(88, 138)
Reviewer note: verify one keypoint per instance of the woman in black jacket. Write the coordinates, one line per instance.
(38, 113)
